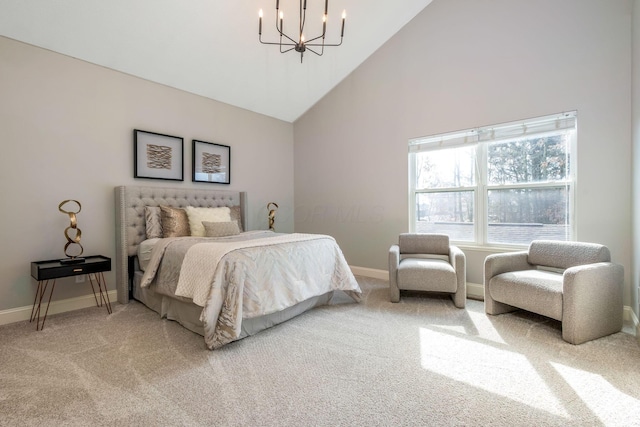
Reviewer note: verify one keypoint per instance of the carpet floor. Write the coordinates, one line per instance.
(420, 362)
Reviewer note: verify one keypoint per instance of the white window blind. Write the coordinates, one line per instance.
(538, 126)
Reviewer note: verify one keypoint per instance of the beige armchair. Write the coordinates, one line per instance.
(427, 262)
(573, 282)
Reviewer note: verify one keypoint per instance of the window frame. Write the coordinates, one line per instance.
(481, 138)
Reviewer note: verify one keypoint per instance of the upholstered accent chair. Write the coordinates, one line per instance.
(573, 282)
(427, 262)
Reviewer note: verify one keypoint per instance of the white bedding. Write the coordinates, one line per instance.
(197, 273)
(144, 252)
(252, 278)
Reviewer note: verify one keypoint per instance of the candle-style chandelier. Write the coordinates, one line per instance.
(299, 43)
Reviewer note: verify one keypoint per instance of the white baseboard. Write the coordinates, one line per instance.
(24, 313)
(370, 272)
(476, 291)
(630, 316)
(634, 321)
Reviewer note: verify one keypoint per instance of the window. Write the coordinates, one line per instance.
(507, 184)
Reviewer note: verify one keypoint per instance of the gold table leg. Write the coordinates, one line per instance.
(42, 289)
(35, 311)
(104, 295)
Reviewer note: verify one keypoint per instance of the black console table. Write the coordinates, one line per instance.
(46, 272)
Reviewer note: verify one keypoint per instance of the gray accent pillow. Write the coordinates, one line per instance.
(153, 222)
(175, 222)
(220, 229)
(236, 215)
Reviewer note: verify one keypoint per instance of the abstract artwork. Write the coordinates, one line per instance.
(157, 156)
(211, 162)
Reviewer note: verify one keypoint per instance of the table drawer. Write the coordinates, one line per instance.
(44, 270)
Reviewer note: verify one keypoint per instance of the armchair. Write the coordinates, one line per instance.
(573, 282)
(427, 262)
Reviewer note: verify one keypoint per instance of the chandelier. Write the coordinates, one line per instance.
(298, 42)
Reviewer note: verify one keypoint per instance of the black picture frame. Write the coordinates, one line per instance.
(158, 156)
(211, 162)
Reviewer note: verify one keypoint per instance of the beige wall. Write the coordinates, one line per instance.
(66, 129)
(461, 64)
(635, 282)
(66, 125)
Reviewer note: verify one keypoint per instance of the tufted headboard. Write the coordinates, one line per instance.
(130, 222)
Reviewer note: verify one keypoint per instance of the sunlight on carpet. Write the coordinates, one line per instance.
(488, 366)
(590, 387)
(482, 323)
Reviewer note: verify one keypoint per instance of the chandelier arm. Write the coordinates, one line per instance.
(324, 44)
(315, 38)
(288, 38)
(277, 43)
(313, 51)
(281, 28)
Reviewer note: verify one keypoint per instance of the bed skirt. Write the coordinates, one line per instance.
(188, 314)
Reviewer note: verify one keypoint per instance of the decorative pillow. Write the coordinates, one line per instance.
(174, 222)
(220, 229)
(153, 222)
(198, 215)
(236, 215)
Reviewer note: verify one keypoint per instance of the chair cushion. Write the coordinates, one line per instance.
(419, 274)
(561, 254)
(532, 290)
(419, 243)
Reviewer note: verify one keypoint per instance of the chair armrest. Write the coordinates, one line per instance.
(592, 303)
(592, 277)
(394, 257)
(394, 254)
(458, 261)
(502, 263)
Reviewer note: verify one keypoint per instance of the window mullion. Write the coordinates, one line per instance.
(480, 216)
(412, 192)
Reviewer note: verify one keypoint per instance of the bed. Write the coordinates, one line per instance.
(222, 285)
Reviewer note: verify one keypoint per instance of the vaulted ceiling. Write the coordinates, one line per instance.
(211, 47)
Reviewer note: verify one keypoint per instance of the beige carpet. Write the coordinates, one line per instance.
(420, 362)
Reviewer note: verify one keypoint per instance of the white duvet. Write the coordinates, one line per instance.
(246, 279)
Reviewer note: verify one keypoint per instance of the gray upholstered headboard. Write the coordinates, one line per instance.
(130, 222)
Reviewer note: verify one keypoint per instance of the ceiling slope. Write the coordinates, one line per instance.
(210, 47)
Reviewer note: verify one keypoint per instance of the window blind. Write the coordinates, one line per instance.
(514, 130)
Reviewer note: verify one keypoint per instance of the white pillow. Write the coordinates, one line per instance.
(197, 215)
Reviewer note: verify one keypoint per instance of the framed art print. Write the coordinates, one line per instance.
(157, 156)
(211, 162)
